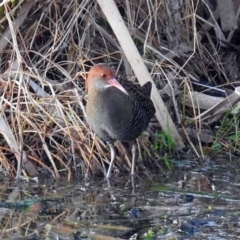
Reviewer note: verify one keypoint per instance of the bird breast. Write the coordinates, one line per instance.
(109, 113)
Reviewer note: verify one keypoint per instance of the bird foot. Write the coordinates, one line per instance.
(21, 178)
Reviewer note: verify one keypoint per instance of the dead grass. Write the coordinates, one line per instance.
(46, 51)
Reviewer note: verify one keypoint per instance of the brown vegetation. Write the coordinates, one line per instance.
(47, 48)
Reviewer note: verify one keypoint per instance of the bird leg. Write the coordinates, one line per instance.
(111, 146)
(134, 147)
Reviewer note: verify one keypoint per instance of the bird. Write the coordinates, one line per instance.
(117, 110)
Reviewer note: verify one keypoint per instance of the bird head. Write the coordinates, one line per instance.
(101, 77)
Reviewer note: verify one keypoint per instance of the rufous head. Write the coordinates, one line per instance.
(102, 76)
(100, 72)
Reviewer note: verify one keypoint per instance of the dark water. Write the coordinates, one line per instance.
(198, 200)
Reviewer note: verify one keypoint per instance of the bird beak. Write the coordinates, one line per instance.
(114, 83)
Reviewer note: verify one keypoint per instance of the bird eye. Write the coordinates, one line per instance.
(103, 75)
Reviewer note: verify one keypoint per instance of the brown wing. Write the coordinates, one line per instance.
(141, 94)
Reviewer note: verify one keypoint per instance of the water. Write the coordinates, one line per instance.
(197, 200)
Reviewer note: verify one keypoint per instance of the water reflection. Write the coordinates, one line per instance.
(199, 204)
